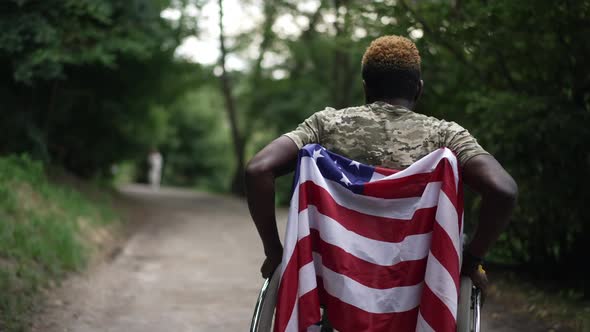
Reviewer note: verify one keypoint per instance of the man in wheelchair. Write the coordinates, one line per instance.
(385, 132)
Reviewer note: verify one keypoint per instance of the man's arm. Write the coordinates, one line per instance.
(498, 191)
(277, 158)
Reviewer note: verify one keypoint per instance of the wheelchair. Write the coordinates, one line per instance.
(468, 315)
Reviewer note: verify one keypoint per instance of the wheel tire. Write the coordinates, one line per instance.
(264, 313)
(464, 314)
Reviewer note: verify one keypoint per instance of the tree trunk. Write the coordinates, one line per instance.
(255, 78)
(237, 185)
(307, 37)
(341, 60)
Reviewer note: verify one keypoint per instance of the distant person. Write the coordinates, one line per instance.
(385, 132)
(155, 162)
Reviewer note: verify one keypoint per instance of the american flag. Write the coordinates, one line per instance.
(379, 249)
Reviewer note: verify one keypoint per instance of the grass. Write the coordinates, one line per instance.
(46, 231)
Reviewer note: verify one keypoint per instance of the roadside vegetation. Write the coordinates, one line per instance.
(560, 306)
(46, 231)
(92, 86)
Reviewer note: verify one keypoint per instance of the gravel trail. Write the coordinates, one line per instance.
(191, 265)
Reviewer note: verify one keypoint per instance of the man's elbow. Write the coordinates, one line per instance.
(506, 190)
(257, 167)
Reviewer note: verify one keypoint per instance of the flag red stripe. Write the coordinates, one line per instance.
(348, 318)
(409, 186)
(288, 286)
(443, 172)
(448, 183)
(441, 242)
(405, 273)
(309, 309)
(435, 312)
(385, 171)
(372, 227)
(412, 185)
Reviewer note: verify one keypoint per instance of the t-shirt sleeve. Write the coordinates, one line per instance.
(307, 132)
(461, 142)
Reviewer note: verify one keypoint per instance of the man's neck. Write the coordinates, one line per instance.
(394, 101)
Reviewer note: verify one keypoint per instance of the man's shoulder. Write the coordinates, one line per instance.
(332, 115)
(424, 118)
(432, 123)
(331, 112)
(332, 118)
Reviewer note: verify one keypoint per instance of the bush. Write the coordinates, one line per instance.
(43, 231)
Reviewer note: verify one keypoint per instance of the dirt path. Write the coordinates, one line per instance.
(192, 265)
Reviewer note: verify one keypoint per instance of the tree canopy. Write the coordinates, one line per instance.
(88, 84)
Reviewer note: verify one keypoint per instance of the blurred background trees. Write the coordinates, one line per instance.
(87, 85)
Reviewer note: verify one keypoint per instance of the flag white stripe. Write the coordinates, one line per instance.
(290, 240)
(307, 279)
(441, 283)
(360, 203)
(303, 225)
(307, 283)
(377, 176)
(428, 164)
(446, 217)
(390, 300)
(383, 253)
(423, 325)
(398, 208)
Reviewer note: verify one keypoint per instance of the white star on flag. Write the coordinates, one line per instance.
(345, 180)
(317, 154)
(355, 163)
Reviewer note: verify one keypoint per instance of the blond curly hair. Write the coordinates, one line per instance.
(392, 52)
(391, 68)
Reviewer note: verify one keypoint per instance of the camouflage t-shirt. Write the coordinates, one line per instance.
(384, 135)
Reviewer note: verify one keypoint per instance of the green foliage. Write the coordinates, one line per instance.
(82, 81)
(518, 81)
(42, 235)
(196, 147)
(86, 84)
(43, 37)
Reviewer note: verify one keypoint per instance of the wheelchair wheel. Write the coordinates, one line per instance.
(468, 309)
(262, 320)
(468, 313)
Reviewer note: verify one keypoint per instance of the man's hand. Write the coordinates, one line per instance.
(473, 269)
(270, 265)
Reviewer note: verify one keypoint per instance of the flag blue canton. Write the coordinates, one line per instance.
(346, 172)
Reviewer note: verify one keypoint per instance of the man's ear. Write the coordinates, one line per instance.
(419, 92)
